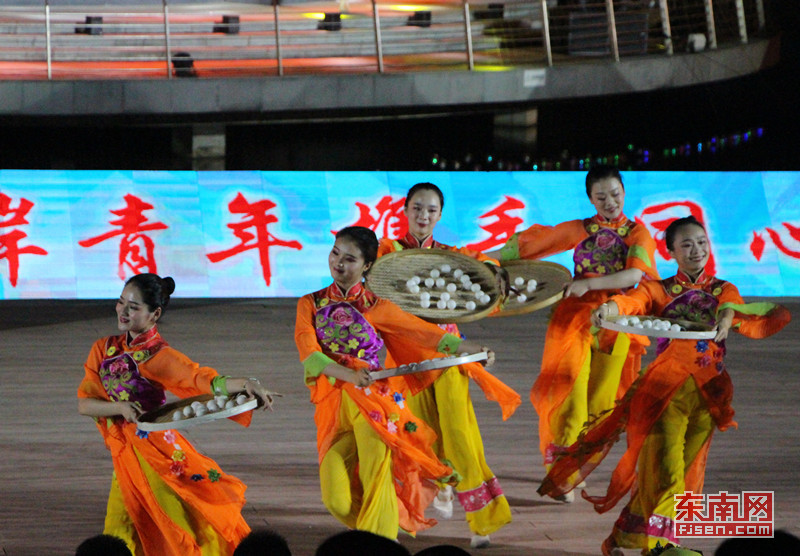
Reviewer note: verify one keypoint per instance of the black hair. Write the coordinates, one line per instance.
(155, 290)
(675, 225)
(601, 172)
(360, 543)
(364, 238)
(262, 542)
(103, 545)
(424, 186)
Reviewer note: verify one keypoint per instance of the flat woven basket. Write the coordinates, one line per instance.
(551, 279)
(390, 273)
(161, 419)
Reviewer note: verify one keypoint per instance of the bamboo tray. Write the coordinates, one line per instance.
(161, 419)
(390, 274)
(689, 330)
(551, 280)
(430, 365)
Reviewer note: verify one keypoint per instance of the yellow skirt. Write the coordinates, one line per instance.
(447, 408)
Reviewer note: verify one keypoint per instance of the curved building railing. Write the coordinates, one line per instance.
(173, 40)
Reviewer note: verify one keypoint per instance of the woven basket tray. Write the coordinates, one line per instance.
(161, 419)
(690, 330)
(551, 280)
(390, 273)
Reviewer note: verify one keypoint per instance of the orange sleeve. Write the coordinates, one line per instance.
(305, 334)
(178, 374)
(538, 242)
(642, 252)
(399, 328)
(90, 386)
(642, 300)
(386, 246)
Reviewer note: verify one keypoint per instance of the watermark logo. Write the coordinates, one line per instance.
(749, 514)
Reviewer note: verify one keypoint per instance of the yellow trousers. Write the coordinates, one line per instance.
(594, 391)
(682, 432)
(447, 407)
(356, 476)
(119, 523)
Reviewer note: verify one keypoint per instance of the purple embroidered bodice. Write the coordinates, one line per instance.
(604, 252)
(342, 329)
(123, 382)
(691, 305)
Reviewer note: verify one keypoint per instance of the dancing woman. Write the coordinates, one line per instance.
(166, 497)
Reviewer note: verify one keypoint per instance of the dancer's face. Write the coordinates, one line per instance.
(346, 263)
(608, 197)
(690, 249)
(133, 314)
(423, 211)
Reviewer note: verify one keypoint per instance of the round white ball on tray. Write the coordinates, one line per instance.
(451, 304)
(458, 273)
(475, 287)
(451, 287)
(638, 325)
(434, 273)
(195, 405)
(425, 295)
(479, 294)
(221, 400)
(429, 282)
(467, 286)
(425, 302)
(200, 411)
(623, 321)
(230, 403)
(445, 296)
(188, 411)
(522, 298)
(445, 268)
(440, 282)
(465, 278)
(240, 399)
(633, 321)
(532, 285)
(647, 324)
(416, 279)
(519, 280)
(675, 327)
(485, 299)
(177, 415)
(414, 288)
(470, 305)
(441, 304)
(212, 405)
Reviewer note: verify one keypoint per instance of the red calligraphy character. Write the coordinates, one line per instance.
(758, 243)
(689, 507)
(9, 242)
(502, 227)
(386, 218)
(724, 506)
(656, 218)
(255, 216)
(136, 250)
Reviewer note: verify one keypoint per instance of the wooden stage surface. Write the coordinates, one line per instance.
(56, 471)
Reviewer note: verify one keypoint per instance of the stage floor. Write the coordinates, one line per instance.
(56, 471)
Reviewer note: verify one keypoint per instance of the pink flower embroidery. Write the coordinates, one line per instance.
(342, 316)
(376, 416)
(391, 427)
(604, 240)
(703, 361)
(176, 468)
(169, 436)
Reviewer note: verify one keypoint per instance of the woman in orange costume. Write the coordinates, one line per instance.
(166, 498)
(583, 374)
(442, 398)
(376, 464)
(671, 411)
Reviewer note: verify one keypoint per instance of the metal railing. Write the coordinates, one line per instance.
(179, 40)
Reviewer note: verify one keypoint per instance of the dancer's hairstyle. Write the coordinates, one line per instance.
(424, 186)
(675, 225)
(155, 290)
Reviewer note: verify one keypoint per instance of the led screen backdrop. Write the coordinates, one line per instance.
(80, 234)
